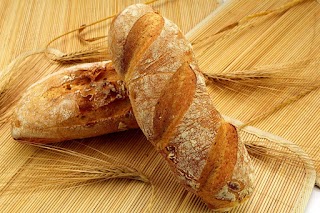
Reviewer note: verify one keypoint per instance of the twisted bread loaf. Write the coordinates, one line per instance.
(172, 107)
(78, 102)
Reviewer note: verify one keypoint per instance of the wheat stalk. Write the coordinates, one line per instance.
(280, 106)
(275, 152)
(93, 53)
(81, 170)
(63, 167)
(257, 79)
(244, 22)
(269, 77)
(55, 166)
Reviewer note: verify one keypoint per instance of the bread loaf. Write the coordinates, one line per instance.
(82, 101)
(170, 102)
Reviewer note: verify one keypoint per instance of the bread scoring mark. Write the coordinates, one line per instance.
(195, 134)
(148, 75)
(144, 103)
(159, 59)
(92, 90)
(68, 74)
(169, 110)
(142, 34)
(120, 29)
(241, 180)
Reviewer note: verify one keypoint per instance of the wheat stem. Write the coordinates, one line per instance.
(84, 54)
(244, 21)
(285, 103)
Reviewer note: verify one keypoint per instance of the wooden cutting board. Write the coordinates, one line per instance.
(281, 187)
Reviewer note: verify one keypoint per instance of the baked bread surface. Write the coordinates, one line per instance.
(173, 108)
(81, 101)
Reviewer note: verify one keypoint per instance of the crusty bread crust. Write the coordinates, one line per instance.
(172, 107)
(82, 101)
(117, 35)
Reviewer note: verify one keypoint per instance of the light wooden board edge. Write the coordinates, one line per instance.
(309, 166)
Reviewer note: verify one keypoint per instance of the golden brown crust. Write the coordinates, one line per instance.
(78, 102)
(180, 85)
(148, 26)
(117, 35)
(220, 165)
(172, 107)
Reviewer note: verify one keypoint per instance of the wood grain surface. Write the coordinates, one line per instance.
(281, 186)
